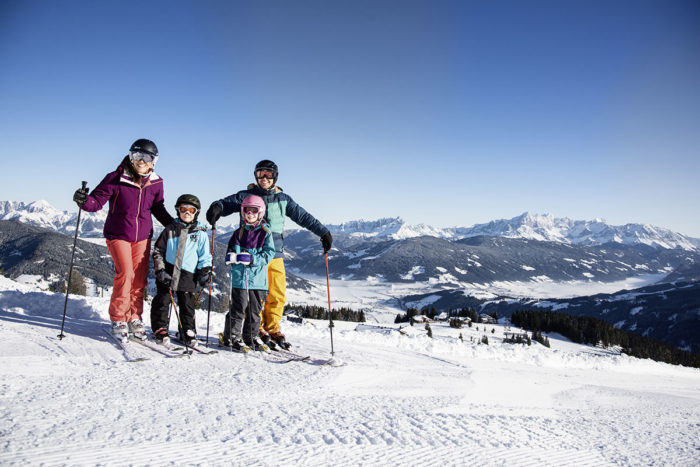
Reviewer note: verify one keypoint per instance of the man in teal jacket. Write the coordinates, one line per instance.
(279, 206)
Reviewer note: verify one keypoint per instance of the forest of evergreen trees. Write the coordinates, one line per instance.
(585, 330)
(319, 312)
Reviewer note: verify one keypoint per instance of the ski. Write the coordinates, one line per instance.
(167, 351)
(272, 357)
(203, 351)
(129, 353)
(293, 355)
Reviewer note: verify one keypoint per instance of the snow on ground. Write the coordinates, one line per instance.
(402, 399)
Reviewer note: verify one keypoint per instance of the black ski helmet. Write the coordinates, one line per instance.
(144, 145)
(192, 200)
(266, 165)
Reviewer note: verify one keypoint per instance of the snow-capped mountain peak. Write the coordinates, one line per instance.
(394, 228)
(542, 227)
(42, 214)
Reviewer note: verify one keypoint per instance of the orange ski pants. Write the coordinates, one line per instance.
(131, 272)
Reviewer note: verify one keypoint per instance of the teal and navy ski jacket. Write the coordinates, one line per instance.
(257, 241)
(278, 205)
(184, 247)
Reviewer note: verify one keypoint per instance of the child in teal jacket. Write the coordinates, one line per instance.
(249, 251)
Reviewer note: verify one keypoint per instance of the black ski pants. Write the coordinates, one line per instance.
(243, 319)
(161, 305)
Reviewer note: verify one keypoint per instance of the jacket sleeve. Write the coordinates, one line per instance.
(232, 203)
(100, 195)
(159, 251)
(158, 208)
(204, 251)
(303, 218)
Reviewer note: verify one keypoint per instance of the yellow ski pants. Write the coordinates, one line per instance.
(276, 297)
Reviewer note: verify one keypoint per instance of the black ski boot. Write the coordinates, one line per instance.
(267, 340)
(161, 336)
(259, 346)
(280, 340)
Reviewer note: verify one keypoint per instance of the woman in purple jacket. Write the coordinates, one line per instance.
(134, 192)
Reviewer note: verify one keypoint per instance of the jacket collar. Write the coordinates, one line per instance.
(256, 189)
(149, 178)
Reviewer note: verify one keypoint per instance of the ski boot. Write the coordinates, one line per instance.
(120, 331)
(224, 341)
(137, 330)
(259, 346)
(267, 340)
(189, 338)
(237, 345)
(280, 340)
(162, 337)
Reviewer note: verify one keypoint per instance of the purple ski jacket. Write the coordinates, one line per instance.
(130, 204)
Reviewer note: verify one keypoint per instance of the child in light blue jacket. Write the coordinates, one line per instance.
(181, 259)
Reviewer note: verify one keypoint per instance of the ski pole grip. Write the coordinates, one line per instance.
(84, 183)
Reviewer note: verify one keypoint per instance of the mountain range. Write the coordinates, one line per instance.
(529, 227)
(526, 226)
(525, 249)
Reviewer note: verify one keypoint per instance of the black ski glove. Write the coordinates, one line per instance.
(213, 213)
(202, 276)
(327, 241)
(163, 277)
(80, 196)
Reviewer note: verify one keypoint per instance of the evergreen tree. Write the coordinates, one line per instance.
(77, 284)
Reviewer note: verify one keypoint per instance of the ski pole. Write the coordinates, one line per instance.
(230, 309)
(211, 279)
(179, 323)
(70, 269)
(330, 314)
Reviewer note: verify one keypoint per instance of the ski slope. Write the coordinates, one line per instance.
(401, 399)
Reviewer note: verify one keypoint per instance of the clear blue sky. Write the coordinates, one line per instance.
(444, 113)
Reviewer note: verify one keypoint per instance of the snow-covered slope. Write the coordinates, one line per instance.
(402, 398)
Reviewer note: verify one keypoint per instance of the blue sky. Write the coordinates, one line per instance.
(444, 113)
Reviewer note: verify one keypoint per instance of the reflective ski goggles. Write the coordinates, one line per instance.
(260, 174)
(141, 156)
(250, 210)
(191, 209)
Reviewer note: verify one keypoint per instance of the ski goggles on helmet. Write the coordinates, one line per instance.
(260, 174)
(250, 210)
(141, 156)
(191, 209)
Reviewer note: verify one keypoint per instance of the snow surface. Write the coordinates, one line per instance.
(402, 398)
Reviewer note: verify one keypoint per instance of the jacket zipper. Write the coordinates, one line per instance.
(138, 214)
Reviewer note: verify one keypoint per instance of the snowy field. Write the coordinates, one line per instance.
(401, 399)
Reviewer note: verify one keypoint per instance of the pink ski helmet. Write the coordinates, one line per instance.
(253, 201)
